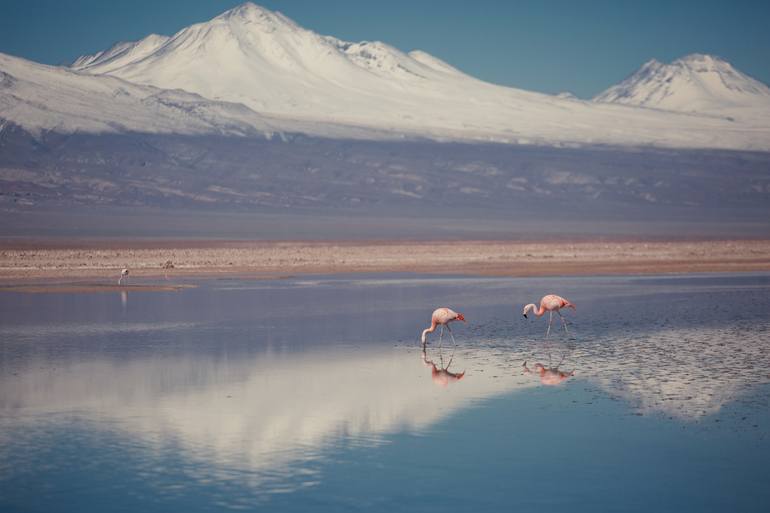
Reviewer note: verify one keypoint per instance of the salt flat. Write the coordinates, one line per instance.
(80, 259)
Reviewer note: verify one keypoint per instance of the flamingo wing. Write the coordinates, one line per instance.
(444, 315)
(551, 302)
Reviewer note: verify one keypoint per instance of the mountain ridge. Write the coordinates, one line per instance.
(695, 83)
(252, 71)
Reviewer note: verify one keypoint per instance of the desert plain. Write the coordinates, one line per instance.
(35, 262)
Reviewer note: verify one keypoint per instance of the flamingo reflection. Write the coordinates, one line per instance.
(549, 376)
(441, 374)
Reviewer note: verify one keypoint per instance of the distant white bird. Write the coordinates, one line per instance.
(123, 274)
(550, 303)
(168, 264)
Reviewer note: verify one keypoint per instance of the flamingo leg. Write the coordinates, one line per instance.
(563, 321)
(550, 319)
(440, 336)
(451, 335)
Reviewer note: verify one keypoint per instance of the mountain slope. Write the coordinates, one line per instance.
(263, 60)
(695, 83)
(40, 98)
(266, 61)
(121, 54)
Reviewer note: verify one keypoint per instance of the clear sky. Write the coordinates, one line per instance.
(546, 45)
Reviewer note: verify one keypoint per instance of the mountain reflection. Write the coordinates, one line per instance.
(267, 410)
(262, 411)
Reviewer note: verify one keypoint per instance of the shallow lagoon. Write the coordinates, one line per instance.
(313, 394)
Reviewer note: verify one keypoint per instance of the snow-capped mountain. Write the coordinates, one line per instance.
(265, 61)
(695, 83)
(251, 70)
(39, 98)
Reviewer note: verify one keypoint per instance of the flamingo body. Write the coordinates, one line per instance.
(123, 274)
(441, 317)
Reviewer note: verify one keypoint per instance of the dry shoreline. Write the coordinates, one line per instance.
(30, 262)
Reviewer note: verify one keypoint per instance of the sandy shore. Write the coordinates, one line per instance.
(33, 261)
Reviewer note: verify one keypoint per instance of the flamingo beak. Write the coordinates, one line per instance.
(525, 316)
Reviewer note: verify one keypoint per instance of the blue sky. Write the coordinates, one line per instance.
(547, 45)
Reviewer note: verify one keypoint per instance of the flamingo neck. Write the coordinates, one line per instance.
(531, 307)
(428, 330)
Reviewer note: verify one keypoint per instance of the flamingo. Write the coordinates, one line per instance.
(550, 303)
(123, 274)
(441, 317)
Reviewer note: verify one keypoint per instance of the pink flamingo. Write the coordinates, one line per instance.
(442, 317)
(550, 303)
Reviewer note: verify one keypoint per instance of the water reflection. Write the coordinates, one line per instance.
(269, 409)
(267, 412)
(549, 376)
(441, 375)
(687, 373)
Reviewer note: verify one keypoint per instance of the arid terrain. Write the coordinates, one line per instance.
(73, 262)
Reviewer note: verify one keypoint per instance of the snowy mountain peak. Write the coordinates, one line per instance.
(703, 61)
(696, 83)
(251, 13)
(248, 10)
(261, 58)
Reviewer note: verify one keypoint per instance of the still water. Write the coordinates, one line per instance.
(313, 394)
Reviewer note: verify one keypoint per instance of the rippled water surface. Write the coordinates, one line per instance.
(313, 394)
